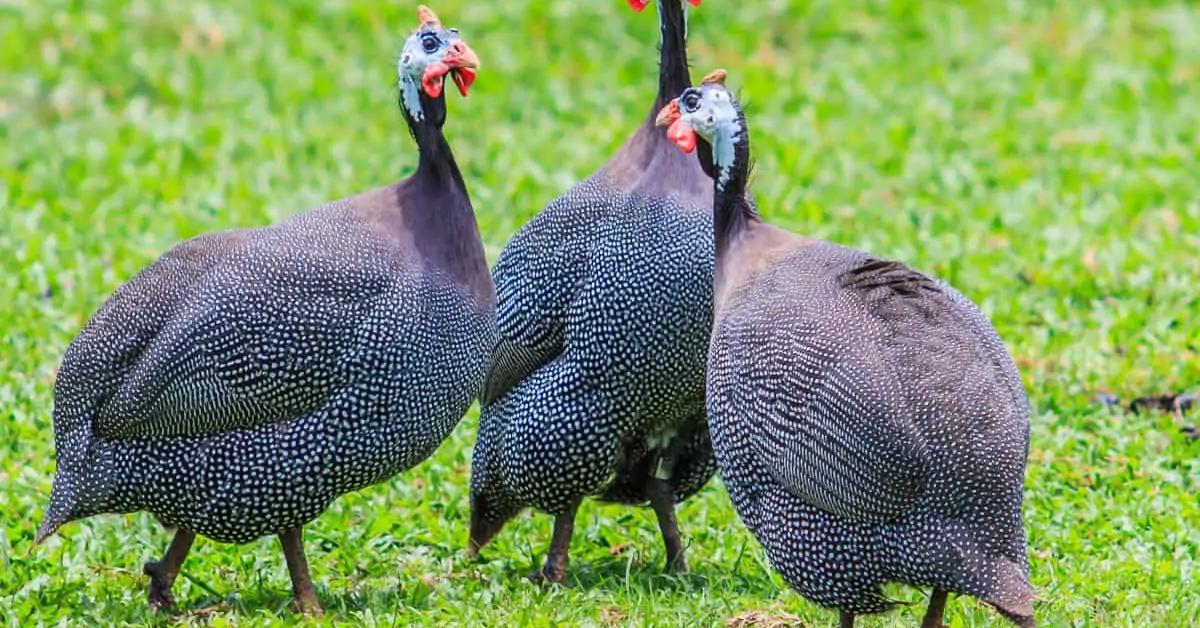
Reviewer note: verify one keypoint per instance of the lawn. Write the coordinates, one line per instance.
(1042, 157)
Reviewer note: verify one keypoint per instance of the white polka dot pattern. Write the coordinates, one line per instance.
(244, 380)
(870, 427)
(604, 311)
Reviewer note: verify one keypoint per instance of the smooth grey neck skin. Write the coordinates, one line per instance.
(648, 163)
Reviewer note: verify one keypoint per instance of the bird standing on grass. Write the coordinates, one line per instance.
(868, 422)
(605, 302)
(246, 379)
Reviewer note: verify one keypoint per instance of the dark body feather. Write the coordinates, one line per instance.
(245, 379)
(604, 309)
(868, 422)
(870, 428)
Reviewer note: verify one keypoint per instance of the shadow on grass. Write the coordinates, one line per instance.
(621, 576)
(628, 575)
(337, 604)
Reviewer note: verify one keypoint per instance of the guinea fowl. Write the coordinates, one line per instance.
(867, 420)
(604, 308)
(246, 379)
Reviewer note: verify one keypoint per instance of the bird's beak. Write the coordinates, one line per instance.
(483, 530)
(463, 64)
(668, 114)
(460, 62)
(678, 131)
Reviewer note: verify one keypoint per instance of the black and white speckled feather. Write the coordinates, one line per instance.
(604, 310)
(245, 379)
(869, 433)
(867, 420)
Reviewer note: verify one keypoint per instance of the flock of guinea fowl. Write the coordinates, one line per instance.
(647, 329)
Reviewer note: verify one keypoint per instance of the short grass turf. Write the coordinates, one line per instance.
(1042, 157)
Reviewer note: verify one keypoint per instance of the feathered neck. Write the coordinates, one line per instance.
(673, 75)
(425, 117)
(727, 161)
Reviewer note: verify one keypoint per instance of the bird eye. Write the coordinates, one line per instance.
(691, 101)
(429, 43)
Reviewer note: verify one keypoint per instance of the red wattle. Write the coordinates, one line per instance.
(695, 3)
(638, 5)
(431, 81)
(682, 136)
(463, 78)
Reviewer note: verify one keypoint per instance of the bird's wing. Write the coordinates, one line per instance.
(264, 335)
(518, 352)
(830, 422)
(537, 276)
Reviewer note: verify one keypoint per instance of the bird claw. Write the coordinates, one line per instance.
(307, 604)
(546, 577)
(160, 590)
(677, 565)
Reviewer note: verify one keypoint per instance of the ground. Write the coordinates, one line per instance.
(1042, 157)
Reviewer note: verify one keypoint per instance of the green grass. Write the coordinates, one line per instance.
(1043, 157)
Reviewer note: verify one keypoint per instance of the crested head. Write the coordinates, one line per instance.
(711, 112)
(429, 54)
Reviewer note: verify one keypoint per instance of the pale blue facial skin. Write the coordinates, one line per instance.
(712, 116)
(415, 56)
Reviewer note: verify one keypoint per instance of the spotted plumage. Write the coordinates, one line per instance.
(246, 379)
(604, 308)
(868, 422)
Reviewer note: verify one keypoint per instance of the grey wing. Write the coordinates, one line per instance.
(536, 277)
(832, 424)
(102, 355)
(257, 340)
(517, 355)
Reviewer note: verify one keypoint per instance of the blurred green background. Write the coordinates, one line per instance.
(1041, 156)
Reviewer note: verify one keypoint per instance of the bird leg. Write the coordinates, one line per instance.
(555, 569)
(303, 592)
(663, 502)
(847, 619)
(163, 572)
(937, 606)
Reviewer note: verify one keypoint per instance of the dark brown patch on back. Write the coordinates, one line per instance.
(877, 273)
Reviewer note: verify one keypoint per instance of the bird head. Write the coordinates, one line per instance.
(493, 504)
(707, 115)
(429, 54)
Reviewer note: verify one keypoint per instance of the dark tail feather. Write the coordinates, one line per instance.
(62, 506)
(1014, 597)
